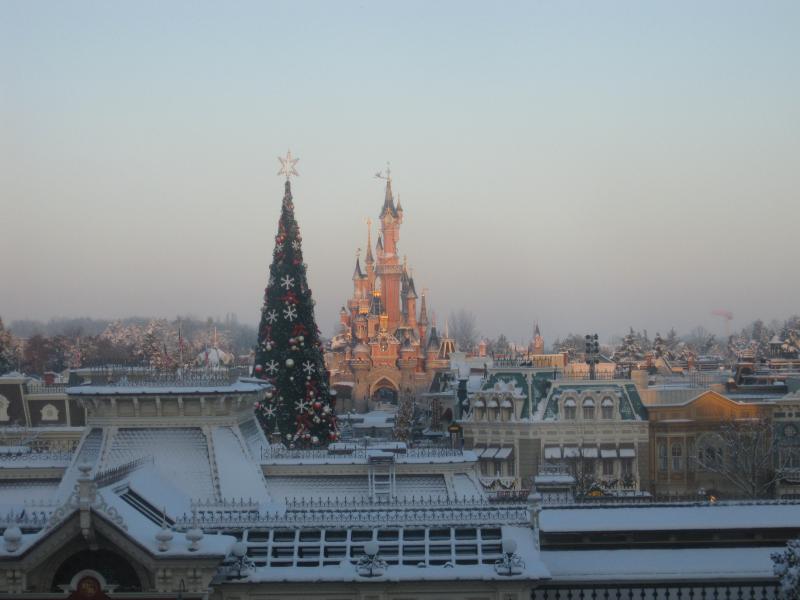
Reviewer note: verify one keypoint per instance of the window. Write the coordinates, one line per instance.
(569, 409)
(790, 458)
(627, 467)
(607, 408)
(588, 409)
(49, 413)
(608, 467)
(677, 457)
(662, 457)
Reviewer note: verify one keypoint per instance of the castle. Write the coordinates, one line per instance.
(387, 350)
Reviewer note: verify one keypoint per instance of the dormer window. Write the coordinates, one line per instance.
(588, 409)
(569, 409)
(607, 408)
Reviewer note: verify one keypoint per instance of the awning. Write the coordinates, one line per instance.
(627, 452)
(477, 404)
(589, 452)
(489, 453)
(503, 453)
(506, 404)
(608, 453)
(552, 452)
(571, 452)
(588, 402)
(492, 404)
(607, 402)
(569, 402)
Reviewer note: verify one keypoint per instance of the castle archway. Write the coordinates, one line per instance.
(384, 391)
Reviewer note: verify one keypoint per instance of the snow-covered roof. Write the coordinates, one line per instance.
(134, 389)
(670, 518)
(715, 564)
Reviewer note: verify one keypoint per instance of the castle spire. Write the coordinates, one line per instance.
(358, 274)
(369, 259)
(423, 311)
(388, 199)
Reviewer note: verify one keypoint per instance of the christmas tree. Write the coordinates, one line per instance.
(289, 352)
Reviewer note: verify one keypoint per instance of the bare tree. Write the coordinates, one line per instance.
(584, 470)
(745, 454)
(463, 329)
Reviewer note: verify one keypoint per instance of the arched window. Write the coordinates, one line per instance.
(588, 409)
(677, 457)
(569, 409)
(662, 457)
(607, 408)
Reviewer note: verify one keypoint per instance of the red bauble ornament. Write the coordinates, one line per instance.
(317, 405)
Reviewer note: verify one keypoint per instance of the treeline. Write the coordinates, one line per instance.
(35, 347)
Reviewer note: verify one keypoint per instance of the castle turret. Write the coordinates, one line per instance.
(422, 322)
(369, 260)
(389, 268)
(411, 304)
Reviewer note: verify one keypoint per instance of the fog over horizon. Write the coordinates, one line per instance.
(590, 167)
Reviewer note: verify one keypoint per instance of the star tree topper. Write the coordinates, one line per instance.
(287, 165)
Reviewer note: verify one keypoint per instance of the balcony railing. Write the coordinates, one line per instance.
(750, 590)
(370, 514)
(46, 388)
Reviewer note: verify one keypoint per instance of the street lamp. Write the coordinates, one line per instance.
(510, 563)
(370, 564)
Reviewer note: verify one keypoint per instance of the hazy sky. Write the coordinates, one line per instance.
(592, 165)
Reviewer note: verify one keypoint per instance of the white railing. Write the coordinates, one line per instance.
(375, 517)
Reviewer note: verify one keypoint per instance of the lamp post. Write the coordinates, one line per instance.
(370, 564)
(511, 563)
(592, 353)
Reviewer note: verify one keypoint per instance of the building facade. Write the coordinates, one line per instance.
(526, 419)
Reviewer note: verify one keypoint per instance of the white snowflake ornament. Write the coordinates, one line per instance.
(272, 316)
(308, 367)
(271, 367)
(287, 282)
(290, 313)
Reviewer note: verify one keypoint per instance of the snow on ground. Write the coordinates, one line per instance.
(656, 565)
(660, 518)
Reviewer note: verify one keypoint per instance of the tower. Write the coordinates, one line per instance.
(389, 268)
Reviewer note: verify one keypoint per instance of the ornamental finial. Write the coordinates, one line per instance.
(287, 165)
(387, 174)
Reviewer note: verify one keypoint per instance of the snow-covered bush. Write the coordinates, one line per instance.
(787, 568)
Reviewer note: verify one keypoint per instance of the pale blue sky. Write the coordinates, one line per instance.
(591, 165)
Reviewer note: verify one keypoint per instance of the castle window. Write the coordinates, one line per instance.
(4, 404)
(608, 467)
(588, 409)
(607, 408)
(49, 413)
